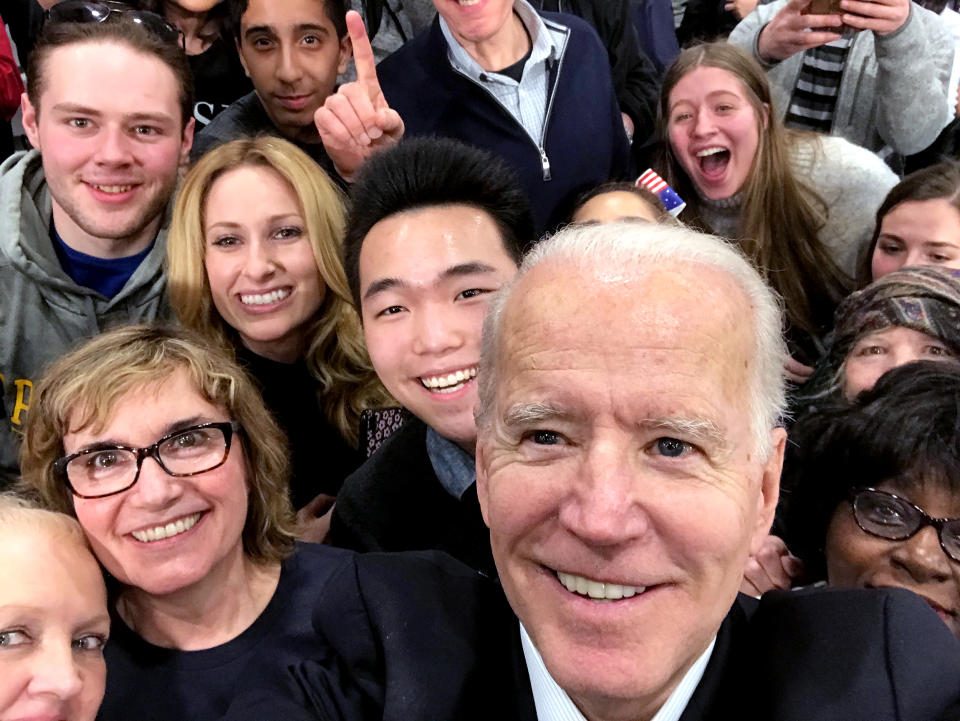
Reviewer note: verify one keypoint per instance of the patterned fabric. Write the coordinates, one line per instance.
(378, 424)
(925, 299)
(815, 95)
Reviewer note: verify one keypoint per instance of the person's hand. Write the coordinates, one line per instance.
(741, 8)
(771, 567)
(881, 16)
(792, 32)
(314, 518)
(356, 121)
(796, 371)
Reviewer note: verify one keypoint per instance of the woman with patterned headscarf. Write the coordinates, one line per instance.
(910, 314)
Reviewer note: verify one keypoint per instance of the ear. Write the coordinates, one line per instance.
(30, 121)
(764, 115)
(483, 486)
(243, 60)
(769, 488)
(346, 52)
(187, 141)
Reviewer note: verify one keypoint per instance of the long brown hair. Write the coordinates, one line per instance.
(780, 216)
(336, 354)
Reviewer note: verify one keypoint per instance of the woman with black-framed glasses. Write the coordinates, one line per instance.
(160, 446)
(872, 490)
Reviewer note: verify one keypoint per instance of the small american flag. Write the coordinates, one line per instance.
(658, 186)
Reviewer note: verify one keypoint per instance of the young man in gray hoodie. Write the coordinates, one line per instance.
(108, 112)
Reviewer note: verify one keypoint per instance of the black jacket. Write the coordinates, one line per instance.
(395, 502)
(418, 636)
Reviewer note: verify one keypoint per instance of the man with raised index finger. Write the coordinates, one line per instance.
(292, 52)
(883, 84)
(534, 89)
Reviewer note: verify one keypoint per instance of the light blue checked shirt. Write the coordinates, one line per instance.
(553, 704)
(526, 101)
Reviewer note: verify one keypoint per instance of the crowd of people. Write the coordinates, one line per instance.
(349, 371)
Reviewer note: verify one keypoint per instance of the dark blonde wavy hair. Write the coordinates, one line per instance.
(336, 355)
(780, 215)
(82, 389)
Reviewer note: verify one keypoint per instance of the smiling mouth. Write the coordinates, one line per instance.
(274, 296)
(174, 528)
(713, 161)
(597, 590)
(449, 382)
(112, 189)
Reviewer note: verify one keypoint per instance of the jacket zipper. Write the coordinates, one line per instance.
(544, 159)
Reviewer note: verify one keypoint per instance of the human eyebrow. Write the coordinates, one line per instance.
(184, 423)
(382, 285)
(75, 109)
(259, 30)
(159, 118)
(312, 28)
(528, 414)
(471, 268)
(698, 430)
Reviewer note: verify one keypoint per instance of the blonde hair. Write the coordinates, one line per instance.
(82, 389)
(336, 355)
(21, 511)
(780, 216)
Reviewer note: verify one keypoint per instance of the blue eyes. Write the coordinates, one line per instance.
(671, 447)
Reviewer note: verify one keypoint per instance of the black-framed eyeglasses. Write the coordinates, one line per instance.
(886, 515)
(85, 11)
(106, 470)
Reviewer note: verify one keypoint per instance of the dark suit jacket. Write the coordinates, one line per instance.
(395, 502)
(419, 636)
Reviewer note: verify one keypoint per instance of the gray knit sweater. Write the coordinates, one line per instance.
(852, 182)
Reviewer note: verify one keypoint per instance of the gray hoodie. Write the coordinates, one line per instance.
(43, 313)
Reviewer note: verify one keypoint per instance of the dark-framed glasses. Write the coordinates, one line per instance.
(104, 470)
(886, 515)
(85, 11)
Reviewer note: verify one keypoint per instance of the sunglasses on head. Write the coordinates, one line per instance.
(83, 11)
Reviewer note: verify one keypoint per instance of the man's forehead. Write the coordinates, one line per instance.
(285, 15)
(106, 71)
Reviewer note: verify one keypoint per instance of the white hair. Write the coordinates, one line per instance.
(629, 247)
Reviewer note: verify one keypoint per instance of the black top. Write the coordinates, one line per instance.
(395, 502)
(319, 456)
(218, 80)
(148, 683)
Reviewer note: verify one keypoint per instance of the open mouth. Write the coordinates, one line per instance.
(467, 3)
(113, 189)
(713, 161)
(597, 590)
(274, 296)
(174, 528)
(448, 382)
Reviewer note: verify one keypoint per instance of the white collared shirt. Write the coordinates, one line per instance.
(553, 703)
(526, 101)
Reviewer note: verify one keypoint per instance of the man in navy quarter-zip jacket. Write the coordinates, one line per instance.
(535, 90)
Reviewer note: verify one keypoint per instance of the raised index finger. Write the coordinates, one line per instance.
(363, 54)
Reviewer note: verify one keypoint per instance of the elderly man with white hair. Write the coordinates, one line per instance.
(628, 463)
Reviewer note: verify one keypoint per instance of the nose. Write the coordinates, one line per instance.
(704, 124)
(602, 509)
(914, 256)
(259, 261)
(55, 670)
(922, 558)
(155, 488)
(288, 71)
(114, 147)
(436, 331)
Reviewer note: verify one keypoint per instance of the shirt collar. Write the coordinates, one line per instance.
(455, 468)
(543, 48)
(553, 703)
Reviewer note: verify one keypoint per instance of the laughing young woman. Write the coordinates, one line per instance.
(800, 205)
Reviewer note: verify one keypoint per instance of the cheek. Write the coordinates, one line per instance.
(850, 553)
(882, 263)
(860, 375)
(385, 346)
(220, 276)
